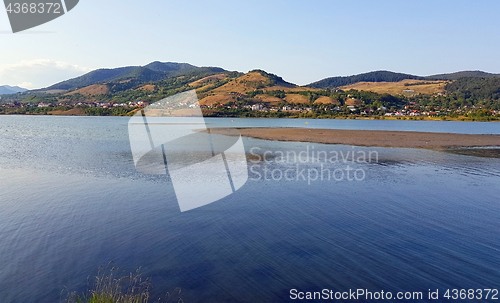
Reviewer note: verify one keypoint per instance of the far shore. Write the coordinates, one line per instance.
(80, 112)
(375, 138)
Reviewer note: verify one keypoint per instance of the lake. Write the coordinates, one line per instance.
(411, 220)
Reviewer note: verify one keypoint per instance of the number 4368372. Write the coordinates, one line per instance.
(34, 8)
(462, 294)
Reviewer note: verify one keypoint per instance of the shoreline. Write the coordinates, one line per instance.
(368, 138)
(353, 117)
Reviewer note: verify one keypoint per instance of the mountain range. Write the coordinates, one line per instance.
(6, 89)
(132, 76)
(153, 71)
(156, 71)
(216, 86)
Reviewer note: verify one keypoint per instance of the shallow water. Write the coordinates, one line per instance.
(71, 200)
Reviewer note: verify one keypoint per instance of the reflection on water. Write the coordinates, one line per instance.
(71, 200)
(477, 152)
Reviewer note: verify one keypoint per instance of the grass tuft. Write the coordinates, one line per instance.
(109, 286)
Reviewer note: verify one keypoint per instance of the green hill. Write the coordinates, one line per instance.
(476, 88)
(463, 74)
(154, 71)
(158, 66)
(387, 76)
(93, 77)
(376, 76)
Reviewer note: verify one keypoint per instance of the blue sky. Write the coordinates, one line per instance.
(302, 41)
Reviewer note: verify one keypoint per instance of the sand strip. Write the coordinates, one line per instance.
(368, 137)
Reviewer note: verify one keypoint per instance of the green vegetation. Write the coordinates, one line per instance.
(274, 79)
(463, 74)
(481, 91)
(111, 287)
(273, 93)
(377, 76)
(386, 76)
(99, 111)
(469, 98)
(154, 71)
(418, 83)
(32, 110)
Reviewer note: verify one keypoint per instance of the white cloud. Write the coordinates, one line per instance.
(39, 73)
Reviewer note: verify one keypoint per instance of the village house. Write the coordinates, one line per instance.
(257, 106)
(142, 103)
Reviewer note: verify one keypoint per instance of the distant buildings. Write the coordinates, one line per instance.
(142, 103)
(258, 106)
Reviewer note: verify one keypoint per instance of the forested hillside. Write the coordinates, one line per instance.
(377, 76)
(154, 71)
(259, 93)
(458, 75)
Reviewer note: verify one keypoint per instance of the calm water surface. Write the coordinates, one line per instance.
(71, 200)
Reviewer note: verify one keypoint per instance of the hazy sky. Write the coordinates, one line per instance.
(302, 41)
